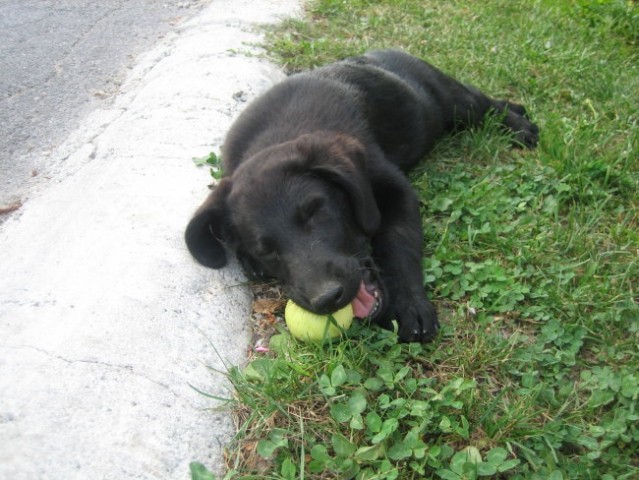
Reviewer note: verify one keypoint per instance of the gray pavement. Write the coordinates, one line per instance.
(105, 320)
(59, 60)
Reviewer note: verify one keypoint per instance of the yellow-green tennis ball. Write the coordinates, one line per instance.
(307, 325)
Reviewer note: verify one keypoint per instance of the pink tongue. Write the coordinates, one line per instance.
(363, 303)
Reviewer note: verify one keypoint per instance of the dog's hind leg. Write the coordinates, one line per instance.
(460, 106)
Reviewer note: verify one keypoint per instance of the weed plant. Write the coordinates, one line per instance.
(531, 257)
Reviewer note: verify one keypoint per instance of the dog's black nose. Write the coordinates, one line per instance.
(329, 299)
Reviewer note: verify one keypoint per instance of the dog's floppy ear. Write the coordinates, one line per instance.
(342, 159)
(208, 227)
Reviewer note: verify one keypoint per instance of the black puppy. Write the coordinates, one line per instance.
(314, 194)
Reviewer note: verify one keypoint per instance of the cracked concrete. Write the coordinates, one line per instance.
(107, 326)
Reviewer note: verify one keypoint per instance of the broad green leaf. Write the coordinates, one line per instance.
(266, 448)
(325, 386)
(448, 475)
(200, 472)
(445, 425)
(338, 377)
(319, 452)
(399, 451)
(496, 455)
(370, 453)
(402, 373)
(390, 425)
(259, 370)
(388, 428)
(357, 422)
(288, 469)
(374, 384)
(341, 412)
(374, 422)
(508, 464)
(342, 445)
(486, 469)
(357, 403)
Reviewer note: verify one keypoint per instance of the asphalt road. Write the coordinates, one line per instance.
(60, 59)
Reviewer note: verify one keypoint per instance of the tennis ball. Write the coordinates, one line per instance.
(310, 326)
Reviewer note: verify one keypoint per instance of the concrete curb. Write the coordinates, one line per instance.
(105, 319)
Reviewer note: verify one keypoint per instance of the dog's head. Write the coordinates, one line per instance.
(302, 212)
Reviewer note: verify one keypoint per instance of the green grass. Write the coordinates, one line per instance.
(532, 259)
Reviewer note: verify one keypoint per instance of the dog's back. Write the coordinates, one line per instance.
(383, 97)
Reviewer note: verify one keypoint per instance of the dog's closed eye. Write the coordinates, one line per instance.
(266, 248)
(308, 208)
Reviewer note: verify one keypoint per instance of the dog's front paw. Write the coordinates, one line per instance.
(417, 319)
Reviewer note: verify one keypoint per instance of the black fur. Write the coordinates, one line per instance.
(314, 192)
